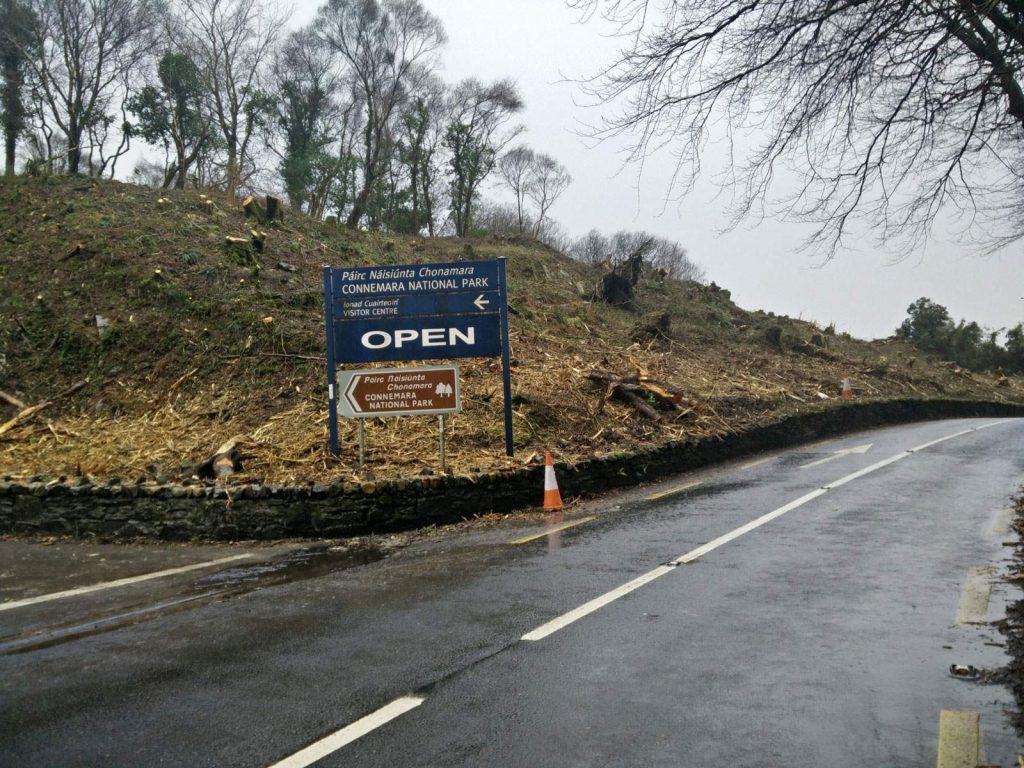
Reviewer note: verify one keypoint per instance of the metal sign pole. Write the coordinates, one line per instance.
(362, 442)
(444, 466)
(332, 381)
(506, 363)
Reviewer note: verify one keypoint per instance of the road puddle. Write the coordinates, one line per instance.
(295, 566)
(298, 565)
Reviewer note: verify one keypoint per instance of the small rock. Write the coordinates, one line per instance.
(103, 326)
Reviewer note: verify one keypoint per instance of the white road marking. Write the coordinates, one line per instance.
(321, 749)
(944, 439)
(598, 602)
(866, 471)
(714, 544)
(838, 455)
(995, 424)
(1002, 522)
(975, 596)
(118, 583)
(560, 622)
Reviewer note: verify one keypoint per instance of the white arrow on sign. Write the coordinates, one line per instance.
(838, 455)
(481, 302)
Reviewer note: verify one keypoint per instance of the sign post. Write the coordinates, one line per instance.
(506, 362)
(414, 312)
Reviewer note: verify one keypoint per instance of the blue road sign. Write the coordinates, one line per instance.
(412, 279)
(416, 312)
(417, 338)
(473, 303)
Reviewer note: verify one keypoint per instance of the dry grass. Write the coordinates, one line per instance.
(207, 349)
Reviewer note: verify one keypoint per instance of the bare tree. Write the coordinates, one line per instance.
(385, 45)
(887, 111)
(672, 258)
(230, 42)
(82, 53)
(548, 180)
(475, 137)
(592, 248)
(515, 167)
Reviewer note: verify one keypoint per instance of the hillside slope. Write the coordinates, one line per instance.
(183, 344)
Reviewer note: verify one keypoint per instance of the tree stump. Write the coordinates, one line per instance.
(253, 209)
(274, 210)
(258, 240)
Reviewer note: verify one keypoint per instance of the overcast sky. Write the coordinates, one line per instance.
(541, 46)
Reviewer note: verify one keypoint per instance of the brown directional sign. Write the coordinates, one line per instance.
(415, 391)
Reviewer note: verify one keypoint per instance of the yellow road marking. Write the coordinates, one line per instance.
(556, 529)
(974, 597)
(959, 739)
(673, 491)
(757, 463)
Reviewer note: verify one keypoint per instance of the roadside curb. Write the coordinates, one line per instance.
(116, 510)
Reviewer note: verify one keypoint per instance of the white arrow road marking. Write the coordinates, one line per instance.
(481, 302)
(838, 455)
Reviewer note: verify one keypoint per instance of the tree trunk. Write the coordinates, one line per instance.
(12, 107)
(233, 173)
(74, 153)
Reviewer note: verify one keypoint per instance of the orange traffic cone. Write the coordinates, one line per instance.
(552, 498)
(847, 389)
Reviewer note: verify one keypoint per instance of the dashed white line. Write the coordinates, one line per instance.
(117, 583)
(560, 622)
(321, 749)
(597, 603)
(866, 471)
(714, 544)
(335, 741)
(944, 439)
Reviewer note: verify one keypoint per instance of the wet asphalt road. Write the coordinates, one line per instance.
(823, 637)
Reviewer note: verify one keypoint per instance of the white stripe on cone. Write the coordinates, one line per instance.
(552, 498)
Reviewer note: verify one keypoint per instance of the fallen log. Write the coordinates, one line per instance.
(27, 413)
(224, 462)
(664, 394)
(12, 400)
(631, 393)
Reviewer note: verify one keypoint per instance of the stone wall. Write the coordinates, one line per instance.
(200, 511)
